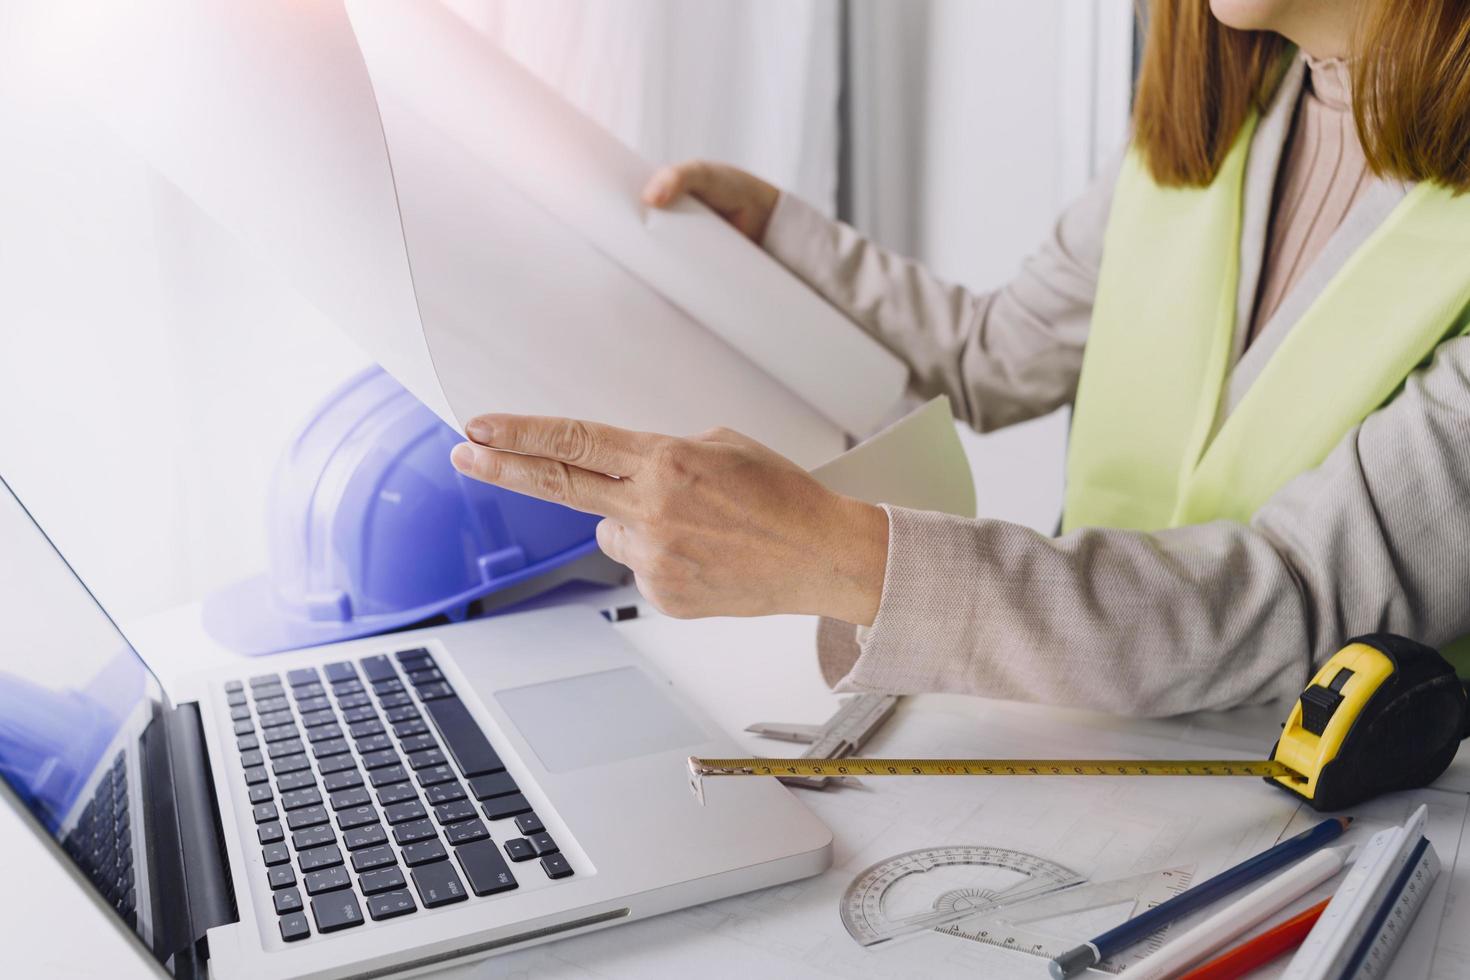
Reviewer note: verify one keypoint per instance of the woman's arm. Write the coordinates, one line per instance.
(1001, 356)
(1210, 616)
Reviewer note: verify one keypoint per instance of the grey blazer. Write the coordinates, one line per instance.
(1207, 616)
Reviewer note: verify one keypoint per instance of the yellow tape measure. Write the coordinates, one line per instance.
(1384, 713)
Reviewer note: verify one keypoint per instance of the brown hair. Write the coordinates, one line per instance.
(1200, 80)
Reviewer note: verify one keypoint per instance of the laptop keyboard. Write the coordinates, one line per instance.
(102, 841)
(375, 793)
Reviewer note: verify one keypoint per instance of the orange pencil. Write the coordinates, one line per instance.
(1263, 949)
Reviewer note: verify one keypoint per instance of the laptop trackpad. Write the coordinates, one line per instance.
(594, 719)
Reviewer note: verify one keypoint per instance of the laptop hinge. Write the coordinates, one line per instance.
(192, 890)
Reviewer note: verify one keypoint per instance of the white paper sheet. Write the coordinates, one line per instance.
(916, 462)
(429, 64)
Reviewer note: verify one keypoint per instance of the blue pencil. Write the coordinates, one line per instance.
(1140, 927)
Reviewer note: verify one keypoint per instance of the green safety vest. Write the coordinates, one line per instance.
(1144, 452)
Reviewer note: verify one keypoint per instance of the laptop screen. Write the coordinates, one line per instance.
(74, 702)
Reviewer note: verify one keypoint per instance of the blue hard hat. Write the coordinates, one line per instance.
(371, 529)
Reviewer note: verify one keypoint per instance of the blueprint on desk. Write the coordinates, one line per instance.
(1102, 827)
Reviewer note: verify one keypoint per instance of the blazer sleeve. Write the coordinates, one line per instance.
(1001, 356)
(1200, 617)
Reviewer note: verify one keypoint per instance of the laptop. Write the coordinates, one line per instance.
(371, 807)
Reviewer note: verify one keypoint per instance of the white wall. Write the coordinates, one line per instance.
(978, 121)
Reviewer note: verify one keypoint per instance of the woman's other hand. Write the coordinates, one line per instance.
(740, 198)
(716, 525)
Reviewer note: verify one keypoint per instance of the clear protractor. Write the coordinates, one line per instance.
(901, 895)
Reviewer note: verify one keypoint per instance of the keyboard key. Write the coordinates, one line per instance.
(415, 743)
(309, 705)
(434, 691)
(353, 714)
(519, 849)
(493, 785)
(363, 729)
(335, 764)
(244, 727)
(413, 831)
(319, 857)
(295, 781)
(381, 881)
(387, 686)
(298, 798)
(462, 737)
(311, 719)
(311, 837)
(415, 653)
(307, 816)
(323, 733)
(373, 743)
(301, 675)
(261, 680)
(326, 880)
(287, 900)
(425, 759)
(307, 692)
(461, 833)
(278, 703)
(350, 798)
(398, 700)
(357, 816)
(290, 764)
(377, 760)
(274, 719)
(484, 868)
(556, 866)
(266, 693)
(256, 775)
(454, 812)
(277, 733)
(438, 884)
(397, 793)
(240, 713)
(232, 686)
(251, 758)
(424, 852)
(282, 876)
(294, 927)
(329, 747)
(391, 904)
(444, 793)
(343, 688)
(426, 676)
(342, 670)
(370, 858)
(360, 837)
(387, 776)
(378, 668)
(269, 833)
(403, 812)
(273, 854)
(235, 698)
(506, 806)
(264, 812)
(346, 779)
(336, 911)
(285, 747)
(403, 714)
(434, 775)
(542, 844)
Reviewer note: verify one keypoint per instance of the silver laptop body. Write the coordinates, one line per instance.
(440, 795)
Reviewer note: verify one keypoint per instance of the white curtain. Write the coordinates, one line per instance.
(151, 369)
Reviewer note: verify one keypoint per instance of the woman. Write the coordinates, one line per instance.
(1257, 316)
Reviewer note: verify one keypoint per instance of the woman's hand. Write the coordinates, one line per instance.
(740, 198)
(717, 525)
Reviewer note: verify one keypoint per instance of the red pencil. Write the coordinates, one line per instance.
(1263, 949)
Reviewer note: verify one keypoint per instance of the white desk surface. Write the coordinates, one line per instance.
(725, 665)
